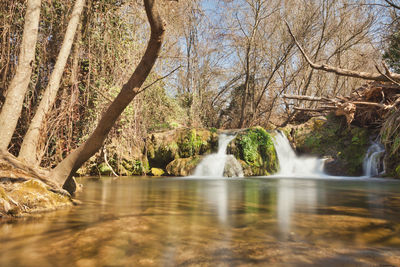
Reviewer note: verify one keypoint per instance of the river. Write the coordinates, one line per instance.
(214, 222)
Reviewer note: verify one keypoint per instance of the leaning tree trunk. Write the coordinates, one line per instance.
(29, 149)
(62, 174)
(12, 106)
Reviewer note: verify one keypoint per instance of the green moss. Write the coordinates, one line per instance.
(396, 145)
(3, 193)
(36, 195)
(183, 166)
(157, 172)
(193, 143)
(104, 169)
(213, 130)
(255, 148)
(332, 137)
(164, 147)
(134, 167)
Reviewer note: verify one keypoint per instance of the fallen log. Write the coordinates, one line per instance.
(368, 104)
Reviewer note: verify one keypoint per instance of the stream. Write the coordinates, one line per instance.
(214, 222)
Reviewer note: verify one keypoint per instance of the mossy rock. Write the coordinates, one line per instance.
(162, 148)
(183, 166)
(104, 169)
(392, 165)
(157, 172)
(23, 190)
(194, 142)
(397, 171)
(133, 167)
(30, 196)
(331, 137)
(255, 149)
(5, 202)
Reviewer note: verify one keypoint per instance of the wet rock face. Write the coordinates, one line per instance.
(165, 147)
(233, 168)
(344, 146)
(183, 167)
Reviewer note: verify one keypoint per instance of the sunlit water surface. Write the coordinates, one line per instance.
(214, 222)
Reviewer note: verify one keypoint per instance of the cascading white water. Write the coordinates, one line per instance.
(213, 165)
(292, 165)
(372, 164)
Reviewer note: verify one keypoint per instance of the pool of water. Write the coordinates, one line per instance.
(214, 222)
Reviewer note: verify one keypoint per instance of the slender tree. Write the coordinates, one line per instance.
(12, 106)
(64, 171)
(30, 146)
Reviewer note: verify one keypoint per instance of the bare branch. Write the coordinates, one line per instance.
(390, 3)
(340, 71)
(310, 109)
(159, 79)
(303, 97)
(371, 104)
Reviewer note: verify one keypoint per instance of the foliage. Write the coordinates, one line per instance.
(392, 52)
(213, 130)
(164, 147)
(255, 148)
(390, 138)
(206, 91)
(191, 144)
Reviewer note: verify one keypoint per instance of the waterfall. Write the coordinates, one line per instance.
(213, 165)
(372, 164)
(292, 165)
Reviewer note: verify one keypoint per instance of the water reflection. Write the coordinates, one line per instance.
(294, 196)
(213, 222)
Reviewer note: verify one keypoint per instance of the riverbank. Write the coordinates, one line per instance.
(25, 191)
(177, 152)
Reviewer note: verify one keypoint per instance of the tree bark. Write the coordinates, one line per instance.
(64, 171)
(29, 148)
(19, 84)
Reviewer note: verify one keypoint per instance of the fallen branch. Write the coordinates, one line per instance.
(106, 161)
(310, 109)
(371, 104)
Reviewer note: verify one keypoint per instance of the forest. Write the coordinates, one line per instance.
(126, 128)
(69, 93)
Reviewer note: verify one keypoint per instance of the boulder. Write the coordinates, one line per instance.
(25, 190)
(157, 172)
(233, 168)
(254, 149)
(183, 166)
(162, 148)
(344, 146)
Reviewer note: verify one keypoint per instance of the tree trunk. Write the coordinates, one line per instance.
(64, 171)
(19, 84)
(29, 148)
